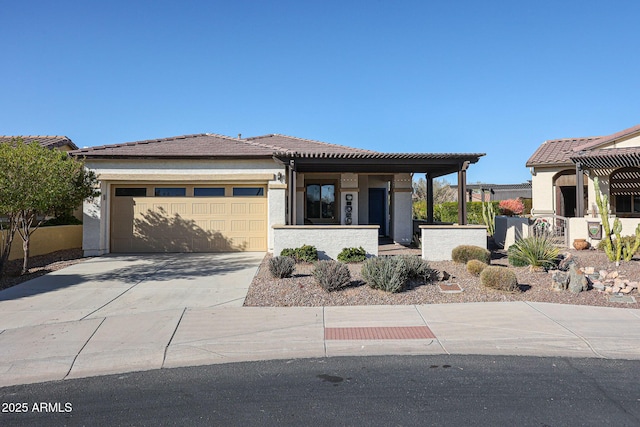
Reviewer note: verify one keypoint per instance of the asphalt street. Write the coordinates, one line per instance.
(442, 390)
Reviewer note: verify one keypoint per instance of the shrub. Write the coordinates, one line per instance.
(352, 255)
(282, 266)
(385, 273)
(448, 212)
(331, 275)
(499, 278)
(536, 251)
(476, 267)
(464, 253)
(64, 219)
(305, 253)
(515, 260)
(511, 206)
(417, 268)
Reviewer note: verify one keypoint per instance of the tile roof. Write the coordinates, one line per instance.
(44, 140)
(608, 139)
(204, 145)
(558, 151)
(291, 144)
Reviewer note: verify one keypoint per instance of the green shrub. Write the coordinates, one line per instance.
(64, 219)
(385, 273)
(331, 275)
(514, 260)
(499, 278)
(536, 251)
(305, 253)
(476, 267)
(448, 212)
(352, 255)
(464, 253)
(417, 268)
(282, 266)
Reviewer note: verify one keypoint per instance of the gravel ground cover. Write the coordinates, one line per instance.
(302, 290)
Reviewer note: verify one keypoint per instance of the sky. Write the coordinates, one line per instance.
(494, 77)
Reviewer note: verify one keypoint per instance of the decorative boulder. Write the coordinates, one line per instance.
(559, 280)
(577, 280)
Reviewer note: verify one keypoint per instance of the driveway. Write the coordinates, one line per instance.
(130, 284)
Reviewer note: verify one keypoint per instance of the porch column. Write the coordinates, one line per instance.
(462, 191)
(401, 216)
(429, 180)
(579, 191)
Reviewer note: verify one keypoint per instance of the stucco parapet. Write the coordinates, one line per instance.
(324, 227)
(452, 227)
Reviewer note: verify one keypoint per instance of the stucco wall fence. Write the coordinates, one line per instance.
(48, 239)
(439, 240)
(329, 240)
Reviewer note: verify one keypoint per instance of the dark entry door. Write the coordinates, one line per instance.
(377, 204)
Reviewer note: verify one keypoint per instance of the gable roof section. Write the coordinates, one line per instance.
(558, 152)
(292, 144)
(204, 145)
(609, 139)
(44, 140)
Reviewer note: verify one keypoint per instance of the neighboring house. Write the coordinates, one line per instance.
(60, 142)
(563, 171)
(496, 192)
(213, 193)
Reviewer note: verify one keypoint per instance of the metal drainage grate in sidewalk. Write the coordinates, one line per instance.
(379, 333)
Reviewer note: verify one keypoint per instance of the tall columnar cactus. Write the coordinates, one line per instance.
(489, 217)
(603, 207)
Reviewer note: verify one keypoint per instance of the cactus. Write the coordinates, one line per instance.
(630, 250)
(489, 217)
(603, 207)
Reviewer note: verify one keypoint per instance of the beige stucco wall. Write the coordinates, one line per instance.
(542, 191)
(48, 239)
(626, 142)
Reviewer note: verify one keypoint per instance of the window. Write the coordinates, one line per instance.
(208, 192)
(131, 192)
(321, 201)
(248, 191)
(624, 187)
(170, 192)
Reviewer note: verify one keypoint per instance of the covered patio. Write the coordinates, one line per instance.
(342, 199)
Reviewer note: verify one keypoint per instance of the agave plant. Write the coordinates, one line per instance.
(536, 251)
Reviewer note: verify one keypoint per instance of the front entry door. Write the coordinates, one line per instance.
(377, 205)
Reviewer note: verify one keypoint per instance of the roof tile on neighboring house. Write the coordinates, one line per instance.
(198, 145)
(608, 139)
(44, 140)
(558, 151)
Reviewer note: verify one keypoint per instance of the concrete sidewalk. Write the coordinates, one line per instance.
(117, 343)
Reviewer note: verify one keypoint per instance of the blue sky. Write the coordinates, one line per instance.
(497, 77)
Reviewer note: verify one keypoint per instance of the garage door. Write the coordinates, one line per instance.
(176, 218)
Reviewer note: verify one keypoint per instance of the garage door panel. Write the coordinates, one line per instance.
(188, 224)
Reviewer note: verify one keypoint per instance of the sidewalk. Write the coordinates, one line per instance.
(198, 336)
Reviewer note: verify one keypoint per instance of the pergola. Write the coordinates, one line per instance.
(611, 158)
(433, 165)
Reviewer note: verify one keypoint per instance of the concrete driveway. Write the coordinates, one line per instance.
(130, 284)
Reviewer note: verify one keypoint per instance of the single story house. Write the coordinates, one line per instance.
(496, 192)
(214, 193)
(563, 172)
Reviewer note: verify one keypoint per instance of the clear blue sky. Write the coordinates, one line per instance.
(497, 77)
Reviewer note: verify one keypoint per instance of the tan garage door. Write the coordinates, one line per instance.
(173, 218)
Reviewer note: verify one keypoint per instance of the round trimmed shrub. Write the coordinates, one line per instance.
(499, 278)
(476, 267)
(463, 253)
(331, 275)
(385, 273)
(352, 255)
(282, 266)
